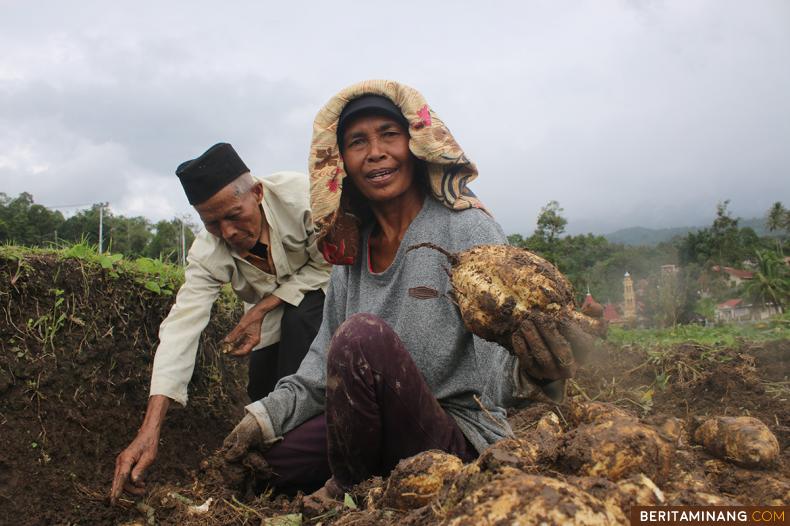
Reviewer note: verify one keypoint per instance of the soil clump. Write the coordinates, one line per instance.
(76, 349)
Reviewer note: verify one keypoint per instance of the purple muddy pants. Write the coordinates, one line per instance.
(379, 410)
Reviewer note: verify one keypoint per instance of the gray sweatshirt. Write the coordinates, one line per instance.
(456, 365)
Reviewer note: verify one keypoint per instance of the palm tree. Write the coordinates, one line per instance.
(778, 218)
(771, 281)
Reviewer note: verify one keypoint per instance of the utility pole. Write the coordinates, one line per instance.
(183, 245)
(101, 226)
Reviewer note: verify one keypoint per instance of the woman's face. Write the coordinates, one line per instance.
(377, 157)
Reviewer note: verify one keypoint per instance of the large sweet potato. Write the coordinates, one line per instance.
(498, 286)
(743, 440)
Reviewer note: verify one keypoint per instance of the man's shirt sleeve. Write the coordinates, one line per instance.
(180, 332)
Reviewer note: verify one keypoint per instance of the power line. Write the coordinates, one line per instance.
(52, 207)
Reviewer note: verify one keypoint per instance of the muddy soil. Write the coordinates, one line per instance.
(76, 347)
(73, 391)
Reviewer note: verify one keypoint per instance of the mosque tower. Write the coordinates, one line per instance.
(629, 300)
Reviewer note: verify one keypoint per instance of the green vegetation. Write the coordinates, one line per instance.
(23, 222)
(691, 282)
(776, 328)
(156, 275)
(677, 281)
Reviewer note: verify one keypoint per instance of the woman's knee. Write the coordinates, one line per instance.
(361, 333)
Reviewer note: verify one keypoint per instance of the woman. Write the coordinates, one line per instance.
(393, 371)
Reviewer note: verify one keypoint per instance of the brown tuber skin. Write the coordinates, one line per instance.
(417, 480)
(512, 297)
(743, 440)
(497, 286)
(522, 499)
(595, 412)
(617, 448)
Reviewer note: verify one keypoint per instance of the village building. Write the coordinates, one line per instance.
(611, 315)
(610, 311)
(735, 276)
(737, 309)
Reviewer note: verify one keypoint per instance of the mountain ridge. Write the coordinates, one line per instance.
(642, 236)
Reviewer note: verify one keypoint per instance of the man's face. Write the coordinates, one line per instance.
(377, 157)
(233, 215)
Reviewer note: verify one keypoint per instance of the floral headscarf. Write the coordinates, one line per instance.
(448, 168)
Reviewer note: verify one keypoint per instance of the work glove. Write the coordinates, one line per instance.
(549, 351)
(243, 455)
(245, 436)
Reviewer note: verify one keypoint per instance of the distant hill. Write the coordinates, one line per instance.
(638, 235)
(642, 236)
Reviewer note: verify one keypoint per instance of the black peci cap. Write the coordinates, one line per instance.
(211, 172)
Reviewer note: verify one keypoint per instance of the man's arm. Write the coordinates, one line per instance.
(179, 333)
(131, 463)
(173, 366)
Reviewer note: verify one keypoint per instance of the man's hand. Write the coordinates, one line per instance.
(132, 462)
(247, 334)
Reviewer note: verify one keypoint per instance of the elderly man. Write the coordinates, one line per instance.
(259, 237)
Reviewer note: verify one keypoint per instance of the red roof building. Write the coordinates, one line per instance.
(590, 307)
(610, 313)
(730, 304)
(736, 276)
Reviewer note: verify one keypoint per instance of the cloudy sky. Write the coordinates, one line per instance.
(627, 112)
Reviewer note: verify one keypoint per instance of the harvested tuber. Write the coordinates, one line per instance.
(743, 440)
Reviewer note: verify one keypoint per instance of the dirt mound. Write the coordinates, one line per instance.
(647, 405)
(76, 347)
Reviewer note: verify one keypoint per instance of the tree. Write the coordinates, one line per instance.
(771, 281)
(129, 235)
(778, 219)
(724, 234)
(84, 225)
(26, 223)
(550, 223)
(166, 242)
(517, 240)
(724, 243)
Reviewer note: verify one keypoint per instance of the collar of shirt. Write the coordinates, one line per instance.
(264, 264)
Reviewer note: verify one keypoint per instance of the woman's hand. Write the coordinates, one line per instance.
(243, 455)
(548, 349)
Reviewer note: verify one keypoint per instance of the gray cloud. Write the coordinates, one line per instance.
(626, 112)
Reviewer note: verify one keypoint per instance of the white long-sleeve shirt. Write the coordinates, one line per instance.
(211, 263)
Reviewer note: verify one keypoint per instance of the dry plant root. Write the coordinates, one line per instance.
(537, 446)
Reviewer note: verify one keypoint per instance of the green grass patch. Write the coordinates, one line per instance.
(776, 328)
(153, 274)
